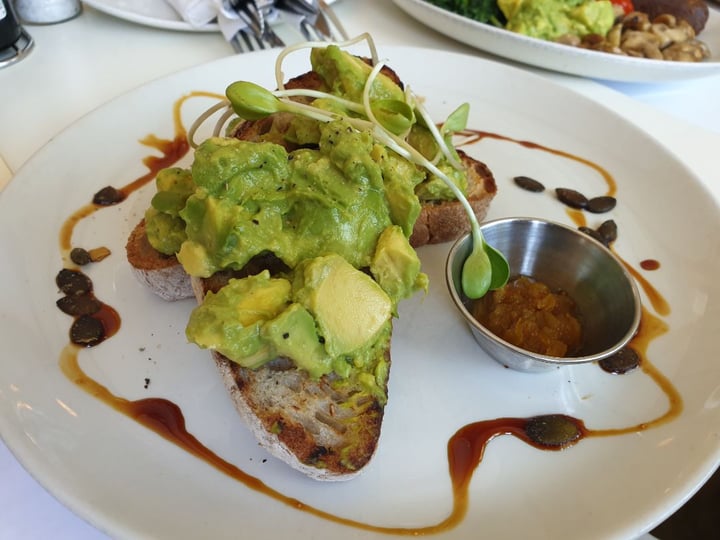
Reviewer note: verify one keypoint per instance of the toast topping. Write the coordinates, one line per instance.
(389, 121)
(295, 231)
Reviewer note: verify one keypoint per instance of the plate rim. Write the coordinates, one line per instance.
(232, 59)
(562, 58)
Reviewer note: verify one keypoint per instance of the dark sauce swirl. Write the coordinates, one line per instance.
(465, 448)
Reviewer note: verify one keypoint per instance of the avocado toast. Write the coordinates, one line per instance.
(298, 236)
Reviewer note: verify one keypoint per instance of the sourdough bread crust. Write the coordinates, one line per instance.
(445, 221)
(304, 422)
(162, 274)
(289, 433)
(438, 222)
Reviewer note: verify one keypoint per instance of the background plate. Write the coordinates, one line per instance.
(131, 483)
(563, 58)
(156, 13)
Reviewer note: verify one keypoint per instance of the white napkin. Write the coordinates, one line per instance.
(200, 12)
(195, 12)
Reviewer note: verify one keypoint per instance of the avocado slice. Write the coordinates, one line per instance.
(349, 306)
(293, 335)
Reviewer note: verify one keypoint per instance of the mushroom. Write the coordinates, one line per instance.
(636, 20)
(643, 44)
(664, 38)
(569, 39)
(614, 36)
(666, 18)
(687, 51)
(669, 35)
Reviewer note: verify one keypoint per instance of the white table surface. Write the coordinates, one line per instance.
(80, 64)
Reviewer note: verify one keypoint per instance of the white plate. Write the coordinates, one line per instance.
(156, 13)
(563, 58)
(131, 483)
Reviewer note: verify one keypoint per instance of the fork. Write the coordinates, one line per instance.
(257, 33)
(310, 17)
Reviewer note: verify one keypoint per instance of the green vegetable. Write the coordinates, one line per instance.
(551, 19)
(343, 203)
(486, 11)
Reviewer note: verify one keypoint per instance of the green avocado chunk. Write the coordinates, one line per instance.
(396, 265)
(230, 321)
(165, 228)
(345, 75)
(253, 197)
(293, 335)
(336, 210)
(333, 318)
(349, 306)
(550, 19)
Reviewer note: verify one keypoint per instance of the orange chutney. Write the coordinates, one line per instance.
(526, 313)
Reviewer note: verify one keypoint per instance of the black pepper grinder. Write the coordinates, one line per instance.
(15, 42)
(10, 29)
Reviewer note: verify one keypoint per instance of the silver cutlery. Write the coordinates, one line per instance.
(311, 18)
(256, 34)
(314, 19)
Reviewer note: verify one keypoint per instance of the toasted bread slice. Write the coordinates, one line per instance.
(438, 222)
(443, 221)
(326, 431)
(320, 429)
(162, 274)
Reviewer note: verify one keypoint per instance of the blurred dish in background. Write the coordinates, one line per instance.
(565, 58)
(157, 13)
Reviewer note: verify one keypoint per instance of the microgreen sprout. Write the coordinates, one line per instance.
(389, 121)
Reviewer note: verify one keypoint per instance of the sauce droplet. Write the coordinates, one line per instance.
(649, 264)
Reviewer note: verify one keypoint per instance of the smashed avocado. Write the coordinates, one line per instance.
(165, 228)
(338, 216)
(551, 19)
(254, 197)
(330, 318)
(345, 75)
(337, 210)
